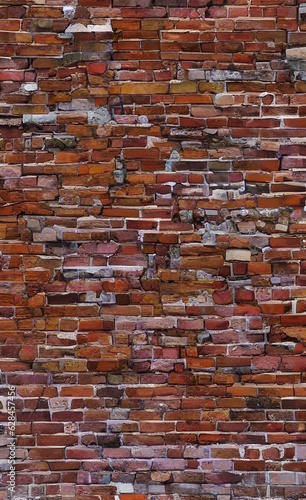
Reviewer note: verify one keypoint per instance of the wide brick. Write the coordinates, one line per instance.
(213, 262)
(190, 324)
(183, 87)
(293, 319)
(139, 88)
(259, 268)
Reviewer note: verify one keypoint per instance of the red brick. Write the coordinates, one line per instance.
(40, 453)
(293, 319)
(190, 324)
(132, 496)
(223, 297)
(82, 453)
(216, 324)
(287, 242)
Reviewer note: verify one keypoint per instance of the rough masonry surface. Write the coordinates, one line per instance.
(153, 248)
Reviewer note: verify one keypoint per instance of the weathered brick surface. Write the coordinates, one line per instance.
(153, 233)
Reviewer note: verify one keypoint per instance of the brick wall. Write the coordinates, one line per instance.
(153, 247)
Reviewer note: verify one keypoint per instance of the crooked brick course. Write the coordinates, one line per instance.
(153, 247)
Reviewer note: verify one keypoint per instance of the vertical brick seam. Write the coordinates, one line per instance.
(153, 248)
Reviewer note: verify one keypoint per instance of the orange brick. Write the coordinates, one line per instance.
(259, 268)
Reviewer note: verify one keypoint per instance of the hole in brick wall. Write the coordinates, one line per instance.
(302, 12)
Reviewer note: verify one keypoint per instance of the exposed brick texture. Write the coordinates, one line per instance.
(153, 248)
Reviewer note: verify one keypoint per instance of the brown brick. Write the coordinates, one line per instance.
(139, 88)
(213, 262)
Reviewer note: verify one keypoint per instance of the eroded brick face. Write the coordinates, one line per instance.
(153, 248)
